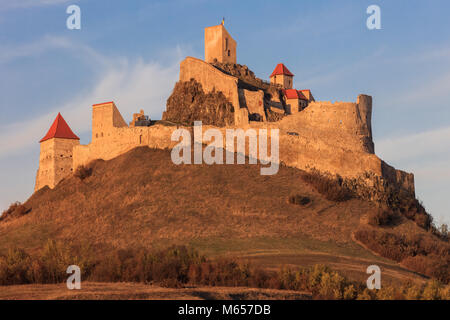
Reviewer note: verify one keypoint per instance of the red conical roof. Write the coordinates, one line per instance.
(59, 129)
(281, 69)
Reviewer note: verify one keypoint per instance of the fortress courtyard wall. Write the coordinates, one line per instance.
(120, 140)
(331, 137)
(254, 101)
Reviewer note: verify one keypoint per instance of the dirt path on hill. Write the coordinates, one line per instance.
(353, 268)
(138, 291)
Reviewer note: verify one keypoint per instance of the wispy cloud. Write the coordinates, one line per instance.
(427, 155)
(435, 89)
(416, 147)
(332, 76)
(10, 53)
(131, 84)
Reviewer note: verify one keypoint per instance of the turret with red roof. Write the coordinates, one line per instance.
(59, 129)
(56, 156)
(297, 100)
(282, 76)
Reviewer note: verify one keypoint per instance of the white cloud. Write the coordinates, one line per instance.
(427, 155)
(427, 90)
(433, 90)
(47, 43)
(132, 85)
(327, 76)
(416, 147)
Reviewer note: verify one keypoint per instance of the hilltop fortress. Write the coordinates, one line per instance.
(333, 138)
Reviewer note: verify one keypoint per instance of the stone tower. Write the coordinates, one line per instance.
(219, 45)
(282, 76)
(56, 157)
(105, 117)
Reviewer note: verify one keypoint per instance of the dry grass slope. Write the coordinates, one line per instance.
(141, 199)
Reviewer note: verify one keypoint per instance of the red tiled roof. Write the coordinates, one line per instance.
(291, 93)
(59, 129)
(281, 69)
(294, 94)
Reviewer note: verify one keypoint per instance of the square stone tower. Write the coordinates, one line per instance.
(56, 156)
(282, 76)
(219, 45)
(105, 117)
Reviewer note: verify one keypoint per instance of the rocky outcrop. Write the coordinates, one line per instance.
(274, 116)
(239, 85)
(188, 103)
(247, 81)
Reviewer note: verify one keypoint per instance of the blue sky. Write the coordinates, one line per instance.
(129, 51)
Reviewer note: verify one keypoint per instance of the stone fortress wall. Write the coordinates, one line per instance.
(333, 138)
(329, 137)
(341, 144)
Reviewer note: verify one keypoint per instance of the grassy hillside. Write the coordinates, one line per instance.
(141, 199)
